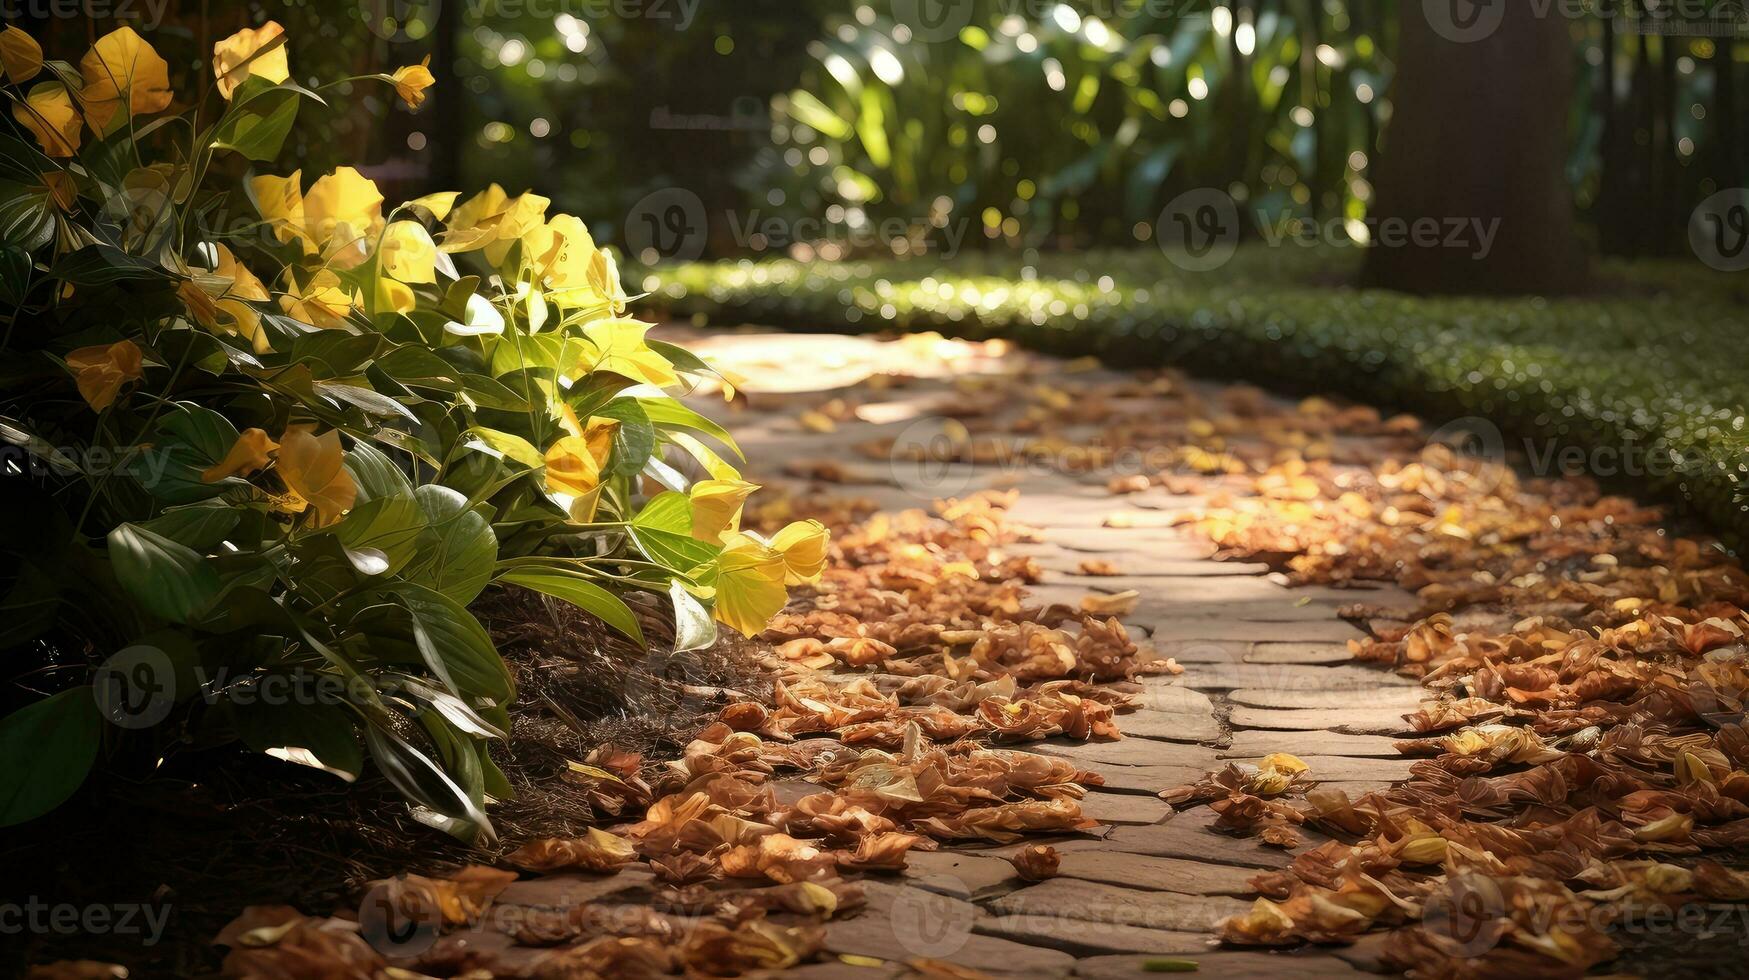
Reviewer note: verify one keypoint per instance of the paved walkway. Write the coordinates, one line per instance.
(1266, 668)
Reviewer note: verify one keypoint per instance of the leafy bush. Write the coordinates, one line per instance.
(269, 439)
(1646, 381)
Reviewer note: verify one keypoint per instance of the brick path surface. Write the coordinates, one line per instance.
(1266, 670)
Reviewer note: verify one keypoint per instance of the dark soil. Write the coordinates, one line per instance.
(215, 830)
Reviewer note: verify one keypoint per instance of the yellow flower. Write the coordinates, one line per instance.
(281, 201)
(62, 189)
(559, 251)
(803, 547)
(48, 112)
(102, 370)
(408, 252)
(314, 470)
(604, 281)
(574, 463)
(343, 212)
(230, 55)
(244, 289)
(395, 297)
(439, 203)
(493, 221)
(618, 346)
(412, 81)
(716, 507)
(578, 275)
(323, 301)
(249, 453)
(199, 305)
(749, 585)
(20, 56)
(122, 72)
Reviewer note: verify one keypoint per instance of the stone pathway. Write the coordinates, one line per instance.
(1266, 669)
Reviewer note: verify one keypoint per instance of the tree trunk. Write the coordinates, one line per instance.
(1477, 144)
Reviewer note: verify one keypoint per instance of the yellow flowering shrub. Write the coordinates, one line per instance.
(261, 423)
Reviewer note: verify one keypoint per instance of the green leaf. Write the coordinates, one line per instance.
(171, 580)
(454, 644)
(46, 749)
(97, 265)
(387, 526)
(670, 413)
(201, 526)
(420, 780)
(316, 735)
(187, 440)
(663, 532)
(376, 474)
(509, 446)
(457, 550)
(694, 629)
(261, 115)
(576, 589)
(27, 216)
(633, 441)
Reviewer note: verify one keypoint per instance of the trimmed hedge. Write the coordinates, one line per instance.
(1655, 364)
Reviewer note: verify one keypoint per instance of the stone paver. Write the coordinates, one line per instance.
(1267, 668)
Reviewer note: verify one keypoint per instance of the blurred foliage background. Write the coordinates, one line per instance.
(1040, 124)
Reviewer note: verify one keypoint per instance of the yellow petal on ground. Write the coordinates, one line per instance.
(412, 81)
(344, 212)
(20, 56)
(1283, 762)
(749, 585)
(803, 547)
(124, 77)
(231, 57)
(48, 112)
(618, 346)
(314, 468)
(408, 253)
(252, 451)
(103, 369)
(716, 507)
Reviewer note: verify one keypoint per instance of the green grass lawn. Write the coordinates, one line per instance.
(1649, 378)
